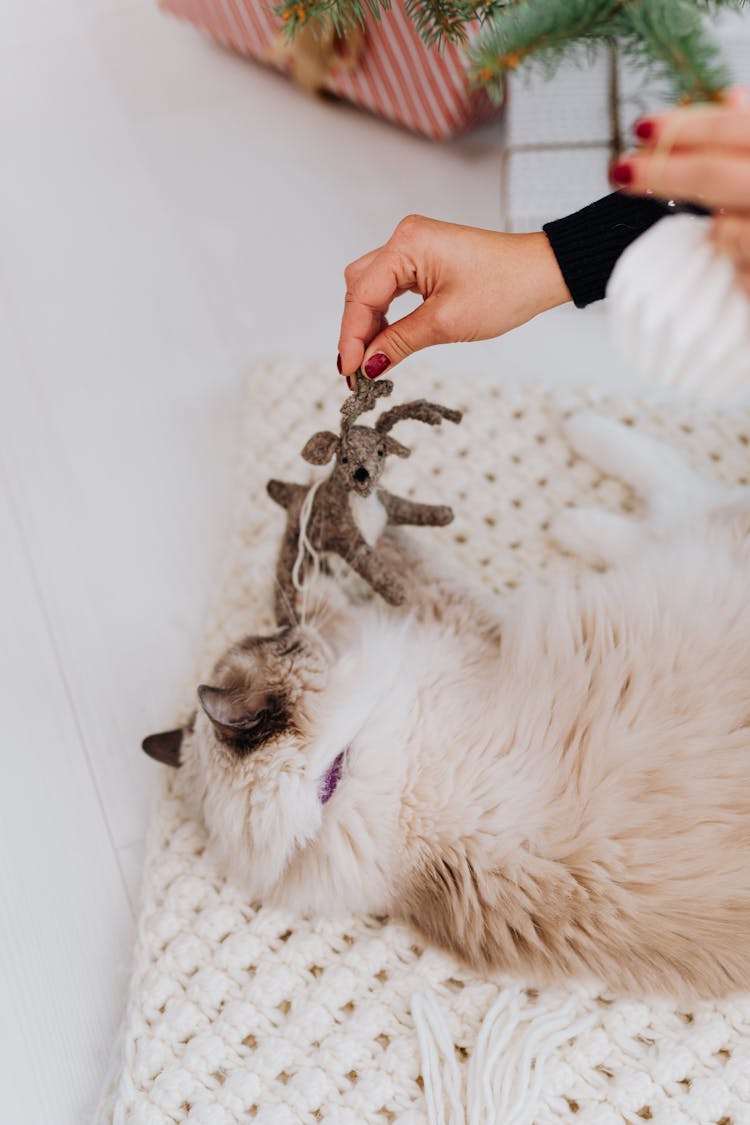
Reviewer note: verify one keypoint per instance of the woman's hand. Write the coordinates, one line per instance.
(474, 284)
(699, 155)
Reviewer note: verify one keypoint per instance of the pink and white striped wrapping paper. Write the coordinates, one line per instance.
(398, 77)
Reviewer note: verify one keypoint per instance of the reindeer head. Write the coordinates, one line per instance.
(360, 451)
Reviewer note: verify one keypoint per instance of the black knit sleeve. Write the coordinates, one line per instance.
(588, 243)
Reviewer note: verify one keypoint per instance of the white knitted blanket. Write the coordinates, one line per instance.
(240, 1014)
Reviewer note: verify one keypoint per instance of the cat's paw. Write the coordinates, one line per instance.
(594, 535)
(590, 435)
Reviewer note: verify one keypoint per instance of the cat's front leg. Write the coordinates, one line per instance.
(597, 536)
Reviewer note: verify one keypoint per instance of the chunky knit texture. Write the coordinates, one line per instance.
(240, 1014)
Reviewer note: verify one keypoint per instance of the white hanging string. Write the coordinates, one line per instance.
(305, 548)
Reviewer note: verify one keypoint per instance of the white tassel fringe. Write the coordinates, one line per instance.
(506, 1071)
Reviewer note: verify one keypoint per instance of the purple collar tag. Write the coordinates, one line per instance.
(330, 779)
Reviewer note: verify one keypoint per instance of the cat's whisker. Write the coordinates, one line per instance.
(291, 609)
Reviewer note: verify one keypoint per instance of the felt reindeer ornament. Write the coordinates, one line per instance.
(345, 513)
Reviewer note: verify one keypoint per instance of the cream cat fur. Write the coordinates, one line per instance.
(553, 785)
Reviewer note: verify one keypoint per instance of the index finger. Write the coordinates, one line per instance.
(697, 127)
(711, 179)
(371, 286)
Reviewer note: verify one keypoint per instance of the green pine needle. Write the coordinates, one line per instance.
(343, 16)
(667, 37)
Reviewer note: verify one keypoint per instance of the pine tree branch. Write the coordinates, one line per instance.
(436, 21)
(343, 15)
(441, 20)
(539, 32)
(668, 37)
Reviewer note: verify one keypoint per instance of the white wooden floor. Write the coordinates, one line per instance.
(168, 214)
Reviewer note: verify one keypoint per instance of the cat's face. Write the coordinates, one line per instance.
(261, 759)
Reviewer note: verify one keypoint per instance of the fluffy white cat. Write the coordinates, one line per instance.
(555, 784)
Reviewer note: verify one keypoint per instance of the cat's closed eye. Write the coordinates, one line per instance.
(244, 719)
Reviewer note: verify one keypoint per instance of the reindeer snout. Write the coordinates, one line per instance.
(361, 475)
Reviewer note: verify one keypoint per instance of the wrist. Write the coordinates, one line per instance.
(549, 288)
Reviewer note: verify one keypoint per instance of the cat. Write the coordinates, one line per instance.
(552, 785)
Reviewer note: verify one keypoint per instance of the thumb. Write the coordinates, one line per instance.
(399, 340)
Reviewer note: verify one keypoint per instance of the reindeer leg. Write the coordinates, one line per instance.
(375, 571)
(401, 511)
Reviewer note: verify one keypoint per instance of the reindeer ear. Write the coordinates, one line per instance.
(395, 448)
(164, 747)
(320, 448)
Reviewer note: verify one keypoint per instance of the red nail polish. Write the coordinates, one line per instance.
(376, 365)
(350, 384)
(621, 174)
(644, 129)
(338, 363)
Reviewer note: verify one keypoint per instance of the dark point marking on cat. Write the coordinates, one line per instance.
(518, 940)
(164, 747)
(284, 642)
(245, 719)
(520, 923)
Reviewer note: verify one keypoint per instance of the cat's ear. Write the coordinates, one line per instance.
(164, 747)
(320, 448)
(394, 448)
(233, 713)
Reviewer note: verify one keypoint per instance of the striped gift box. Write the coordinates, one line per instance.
(396, 77)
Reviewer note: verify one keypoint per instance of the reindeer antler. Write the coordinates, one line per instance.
(420, 410)
(364, 398)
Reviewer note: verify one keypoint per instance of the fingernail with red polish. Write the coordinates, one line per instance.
(350, 384)
(621, 174)
(644, 129)
(338, 363)
(376, 365)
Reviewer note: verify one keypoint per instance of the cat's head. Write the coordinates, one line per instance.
(263, 754)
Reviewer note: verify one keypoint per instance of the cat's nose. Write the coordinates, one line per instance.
(361, 475)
